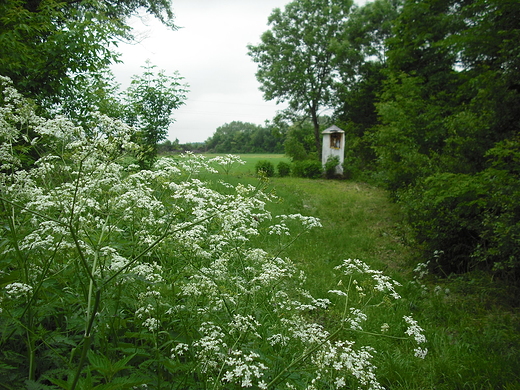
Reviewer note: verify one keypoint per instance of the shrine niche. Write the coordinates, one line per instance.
(333, 145)
(335, 140)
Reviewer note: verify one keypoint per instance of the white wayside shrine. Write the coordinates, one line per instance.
(333, 144)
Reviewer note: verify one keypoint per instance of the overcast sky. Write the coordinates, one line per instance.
(210, 52)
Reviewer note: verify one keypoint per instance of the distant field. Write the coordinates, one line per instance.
(251, 160)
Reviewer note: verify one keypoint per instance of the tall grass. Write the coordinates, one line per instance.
(472, 321)
(250, 161)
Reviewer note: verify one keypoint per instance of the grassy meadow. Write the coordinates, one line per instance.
(471, 322)
(198, 274)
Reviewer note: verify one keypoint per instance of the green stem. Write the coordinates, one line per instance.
(90, 289)
(87, 340)
(31, 347)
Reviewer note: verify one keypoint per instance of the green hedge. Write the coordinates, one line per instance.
(308, 168)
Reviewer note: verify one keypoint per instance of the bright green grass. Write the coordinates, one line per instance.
(473, 331)
(252, 159)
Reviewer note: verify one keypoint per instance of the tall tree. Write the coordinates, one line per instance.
(363, 71)
(296, 63)
(48, 45)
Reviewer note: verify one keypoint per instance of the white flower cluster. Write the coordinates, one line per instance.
(18, 290)
(211, 350)
(170, 254)
(15, 114)
(306, 222)
(227, 162)
(421, 270)
(337, 359)
(383, 283)
(418, 334)
(243, 369)
(356, 318)
(179, 350)
(244, 324)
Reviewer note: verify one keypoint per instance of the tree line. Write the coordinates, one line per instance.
(240, 137)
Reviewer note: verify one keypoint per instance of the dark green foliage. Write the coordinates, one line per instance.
(311, 169)
(50, 48)
(354, 165)
(446, 214)
(471, 221)
(283, 168)
(330, 166)
(244, 137)
(449, 113)
(265, 167)
(299, 144)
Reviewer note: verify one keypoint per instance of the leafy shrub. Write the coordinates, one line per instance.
(308, 168)
(471, 221)
(284, 169)
(446, 213)
(330, 166)
(266, 167)
(350, 171)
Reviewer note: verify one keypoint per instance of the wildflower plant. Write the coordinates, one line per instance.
(226, 163)
(114, 277)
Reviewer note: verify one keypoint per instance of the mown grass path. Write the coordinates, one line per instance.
(471, 321)
(358, 222)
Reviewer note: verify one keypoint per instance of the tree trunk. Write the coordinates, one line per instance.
(317, 134)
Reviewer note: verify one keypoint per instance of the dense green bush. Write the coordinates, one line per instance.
(266, 167)
(469, 221)
(284, 169)
(308, 168)
(330, 166)
(446, 213)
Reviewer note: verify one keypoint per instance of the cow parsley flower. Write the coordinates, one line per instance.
(414, 330)
(417, 332)
(243, 368)
(18, 290)
(356, 318)
(420, 352)
(179, 350)
(152, 324)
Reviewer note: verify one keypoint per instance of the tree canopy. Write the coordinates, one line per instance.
(244, 137)
(148, 107)
(296, 63)
(449, 114)
(428, 92)
(47, 46)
